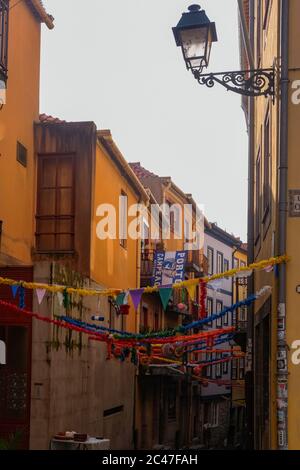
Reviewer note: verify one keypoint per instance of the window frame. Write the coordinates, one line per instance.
(55, 217)
(211, 251)
(221, 269)
(219, 321)
(4, 25)
(123, 241)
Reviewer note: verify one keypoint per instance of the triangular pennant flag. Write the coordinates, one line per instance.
(22, 297)
(120, 299)
(192, 291)
(216, 284)
(14, 290)
(60, 298)
(165, 295)
(40, 293)
(136, 296)
(243, 274)
(125, 302)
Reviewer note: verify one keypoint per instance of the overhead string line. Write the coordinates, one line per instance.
(147, 290)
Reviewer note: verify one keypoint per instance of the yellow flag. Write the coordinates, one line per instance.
(191, 291)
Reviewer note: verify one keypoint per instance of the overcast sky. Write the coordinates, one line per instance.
(115, 62)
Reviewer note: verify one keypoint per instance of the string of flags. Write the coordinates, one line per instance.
(173, 347)
(63, 292)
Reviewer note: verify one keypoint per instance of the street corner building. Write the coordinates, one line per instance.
(54, 174)
(269, 39)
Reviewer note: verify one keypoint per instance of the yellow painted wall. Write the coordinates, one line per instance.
(266, 246)
(293, 234)
(271, 50)
(111, 264)
(16, 124)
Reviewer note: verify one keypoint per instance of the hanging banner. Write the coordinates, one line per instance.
(169, 267)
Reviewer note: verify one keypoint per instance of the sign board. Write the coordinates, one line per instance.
(169, 267)
(294, 203)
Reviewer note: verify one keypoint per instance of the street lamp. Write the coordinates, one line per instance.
(195, 34)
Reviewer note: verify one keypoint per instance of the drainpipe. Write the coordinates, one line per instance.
(249, 376)
(282, 373)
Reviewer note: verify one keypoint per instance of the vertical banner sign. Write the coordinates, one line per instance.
(169, 267)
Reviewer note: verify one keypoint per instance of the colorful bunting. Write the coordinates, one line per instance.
(120, 299)
(22, 297)
(14, 290)
(192, 291)
(165, 295)
(136, 296)
(40, 293)
(60, 298)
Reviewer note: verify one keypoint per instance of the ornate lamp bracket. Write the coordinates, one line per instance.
(260, 82)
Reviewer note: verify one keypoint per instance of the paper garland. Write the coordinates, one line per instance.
(114, 292)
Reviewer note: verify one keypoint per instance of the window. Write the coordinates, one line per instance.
(267, 5)
(4, 12)
(234, 369)
(242, 368)
(243, 264)
(144, 320)
(226, 265)
(219, 262)
(225, 367)
(219, 309)
(267, 165)
(236, 263)
(209, 304)
(21, 154)
(218, 367)
(243, 314)
(257, 195)
(55, 203)
(123, 219)
(175, 212)
(258, 31)
(210, 258)
(225, 319)
(172, 402)
(208, 367)
(214, 413)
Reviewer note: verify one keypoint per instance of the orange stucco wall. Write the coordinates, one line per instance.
(111, 264)
(16, 124)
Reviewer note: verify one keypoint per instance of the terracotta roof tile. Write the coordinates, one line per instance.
(50, 119)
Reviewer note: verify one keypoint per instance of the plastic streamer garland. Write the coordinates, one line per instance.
(114, 292)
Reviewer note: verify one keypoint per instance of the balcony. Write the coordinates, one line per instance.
(197, 263)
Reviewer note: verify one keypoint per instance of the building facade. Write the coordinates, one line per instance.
(54, 177)
(168, 413)
(221, 250)
(271, 32)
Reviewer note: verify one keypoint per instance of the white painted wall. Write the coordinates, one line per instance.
(224, 294)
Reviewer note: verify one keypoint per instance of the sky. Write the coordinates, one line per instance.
(115, 62)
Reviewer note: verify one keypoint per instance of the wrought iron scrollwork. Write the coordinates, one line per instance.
(244, 82)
